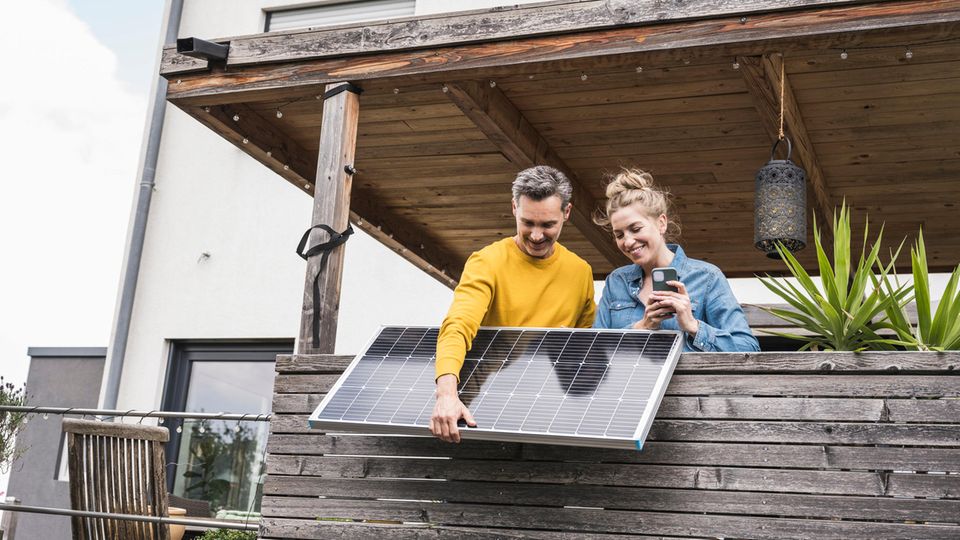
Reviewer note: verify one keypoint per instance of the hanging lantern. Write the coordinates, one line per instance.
(780, 206)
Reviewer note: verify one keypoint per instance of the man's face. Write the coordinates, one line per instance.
(539, 224)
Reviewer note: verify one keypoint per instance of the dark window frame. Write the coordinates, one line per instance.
(182, 355)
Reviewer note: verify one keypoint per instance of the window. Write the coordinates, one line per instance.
(333, 13)
(218, 461)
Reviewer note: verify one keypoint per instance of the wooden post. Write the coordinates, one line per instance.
(331, 206)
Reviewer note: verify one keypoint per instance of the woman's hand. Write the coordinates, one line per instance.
(676, 302)
(653, 315)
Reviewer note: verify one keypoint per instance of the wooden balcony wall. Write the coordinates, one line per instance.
(792, 445)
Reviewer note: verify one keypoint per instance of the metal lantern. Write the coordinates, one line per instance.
(780, 207)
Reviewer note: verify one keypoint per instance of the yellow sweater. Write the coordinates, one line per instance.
(503, 286)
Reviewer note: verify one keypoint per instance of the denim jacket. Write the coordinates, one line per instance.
(723, 326)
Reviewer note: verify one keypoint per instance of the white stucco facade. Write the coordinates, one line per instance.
(218, 260)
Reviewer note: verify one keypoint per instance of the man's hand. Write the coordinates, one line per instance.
(448, 410)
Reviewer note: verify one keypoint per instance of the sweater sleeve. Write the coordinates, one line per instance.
(471, 300)
(589, 310)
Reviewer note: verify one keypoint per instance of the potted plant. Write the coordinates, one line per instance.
(936, 330)
(840, 313)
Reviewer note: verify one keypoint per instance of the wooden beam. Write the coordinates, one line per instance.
(826, 27)
(331, 206)
(406, 239)
(257, 137)
(490, 109)
(762, 77)
(444, 29)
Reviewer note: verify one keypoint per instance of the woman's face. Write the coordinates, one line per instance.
(638, 234)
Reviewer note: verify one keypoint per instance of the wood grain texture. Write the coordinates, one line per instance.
(865, 459)
(504, 23)
(520, 142)
(664, 38)
(331, 207)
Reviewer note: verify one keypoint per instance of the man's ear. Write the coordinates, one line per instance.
(513, 205)
(566, 212)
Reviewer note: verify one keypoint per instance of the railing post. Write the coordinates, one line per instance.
(8, 525)
(331, 206)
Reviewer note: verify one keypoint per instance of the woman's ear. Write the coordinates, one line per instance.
(662, 224)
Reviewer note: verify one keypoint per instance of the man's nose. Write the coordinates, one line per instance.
(536, 235)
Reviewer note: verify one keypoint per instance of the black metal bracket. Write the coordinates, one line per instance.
(201, 48)
(349, 170)
(345, 87)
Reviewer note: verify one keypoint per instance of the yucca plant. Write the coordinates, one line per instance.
(841, 314)
(935, 331)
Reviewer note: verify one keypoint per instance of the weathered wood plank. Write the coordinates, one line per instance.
(788, 362)
(271, 527)
(759, 432)
(298, 384)
(834, 385)
(509, 22)
(636, 475)
(654, 452)
(599, 520)
(844, 384)
(623, 498)
(932, 411)
(331, 207)
(924, 485)
(669, 39)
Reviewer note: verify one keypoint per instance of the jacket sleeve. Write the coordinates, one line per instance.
(471, 300)
(602, 319)
(725, 328)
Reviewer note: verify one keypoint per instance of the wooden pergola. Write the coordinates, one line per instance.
(453, 105)
(413, 129)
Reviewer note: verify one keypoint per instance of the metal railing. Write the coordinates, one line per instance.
(113, 413)
(208, 523)
(11, 508)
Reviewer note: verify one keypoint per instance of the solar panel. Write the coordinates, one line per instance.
(582, 387)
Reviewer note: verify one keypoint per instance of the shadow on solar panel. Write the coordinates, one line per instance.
(577, 387)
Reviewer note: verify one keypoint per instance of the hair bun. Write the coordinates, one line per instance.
(627, 180)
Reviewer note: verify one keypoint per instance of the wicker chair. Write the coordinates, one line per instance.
(117, 468)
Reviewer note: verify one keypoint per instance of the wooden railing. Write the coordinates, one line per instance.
(786, 445)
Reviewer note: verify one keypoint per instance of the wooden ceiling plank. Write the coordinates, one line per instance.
(520, 143)
(763, 78)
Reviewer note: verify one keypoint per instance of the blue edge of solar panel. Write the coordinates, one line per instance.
(582, 387)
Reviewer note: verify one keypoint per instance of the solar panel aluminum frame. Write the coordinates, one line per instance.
(478, 433)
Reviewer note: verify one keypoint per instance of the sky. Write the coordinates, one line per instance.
(73, 111)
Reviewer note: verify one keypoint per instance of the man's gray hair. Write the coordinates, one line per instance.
(541, 182)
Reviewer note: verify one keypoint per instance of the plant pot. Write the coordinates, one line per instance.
(176, 531)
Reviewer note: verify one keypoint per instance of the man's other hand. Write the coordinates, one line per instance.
(449, 410)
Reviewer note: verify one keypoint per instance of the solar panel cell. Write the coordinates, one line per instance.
(569, 386)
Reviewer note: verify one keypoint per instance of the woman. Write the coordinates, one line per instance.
(703, 307)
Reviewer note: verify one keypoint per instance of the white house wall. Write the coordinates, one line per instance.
(218, 259)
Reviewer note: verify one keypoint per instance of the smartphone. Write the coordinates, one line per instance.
(661, 276)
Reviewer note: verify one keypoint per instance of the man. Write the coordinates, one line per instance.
(527, 280)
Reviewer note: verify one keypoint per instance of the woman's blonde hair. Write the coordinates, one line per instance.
(632, 186)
